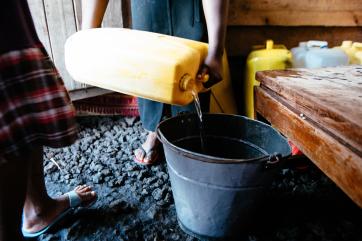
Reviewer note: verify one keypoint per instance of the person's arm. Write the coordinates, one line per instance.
(93, 12)
(216, 12)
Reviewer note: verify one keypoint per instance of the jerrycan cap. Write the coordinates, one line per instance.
(346, 44)
(186, 82)
(317, 44)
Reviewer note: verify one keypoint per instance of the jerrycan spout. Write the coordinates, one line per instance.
(186, 82)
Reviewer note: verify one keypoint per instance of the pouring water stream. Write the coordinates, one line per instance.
(201, 124)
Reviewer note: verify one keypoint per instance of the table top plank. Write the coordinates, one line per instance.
(330, 97)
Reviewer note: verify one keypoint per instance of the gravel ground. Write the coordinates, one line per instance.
(135, 202)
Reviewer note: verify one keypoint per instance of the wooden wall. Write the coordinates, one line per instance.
(56, 20)
(296, 12)
(288, 22)
(291, 21)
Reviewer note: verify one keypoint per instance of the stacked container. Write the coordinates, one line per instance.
(298, 54)
(353, 50)
(266, 57)
(316, 54)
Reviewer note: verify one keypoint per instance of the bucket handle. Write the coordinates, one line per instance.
(272, 161)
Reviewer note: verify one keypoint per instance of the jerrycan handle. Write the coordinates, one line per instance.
(317, 44)
(269, 44)
(210, 78)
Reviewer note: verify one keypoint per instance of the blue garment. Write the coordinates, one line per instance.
(172, 17)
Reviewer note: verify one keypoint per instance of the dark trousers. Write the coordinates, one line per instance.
(172, 17)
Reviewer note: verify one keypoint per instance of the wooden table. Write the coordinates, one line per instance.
(320, 111)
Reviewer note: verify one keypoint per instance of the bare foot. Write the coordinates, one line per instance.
(36, 218)
(148, 153)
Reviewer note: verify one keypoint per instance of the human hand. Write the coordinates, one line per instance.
(210, 72)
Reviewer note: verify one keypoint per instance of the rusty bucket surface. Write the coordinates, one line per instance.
(216, 187)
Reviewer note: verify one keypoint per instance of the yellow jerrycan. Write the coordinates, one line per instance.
(267, 57)
(359, 57)
(149, 65)
(352, 49)
(222, 96)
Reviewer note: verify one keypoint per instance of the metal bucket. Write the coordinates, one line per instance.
(216, 189)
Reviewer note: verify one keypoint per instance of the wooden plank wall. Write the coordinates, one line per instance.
(56, 20)
(296, 12)
(288, 22)
(291, 21)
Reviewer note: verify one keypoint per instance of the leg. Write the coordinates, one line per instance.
(151, 114)
(39, 208)
(12, 196)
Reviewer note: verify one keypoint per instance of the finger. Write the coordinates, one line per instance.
(213, 78)
(203, 74)
(204, 69)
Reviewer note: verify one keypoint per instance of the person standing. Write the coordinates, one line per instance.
(177, 18)
(35, 111)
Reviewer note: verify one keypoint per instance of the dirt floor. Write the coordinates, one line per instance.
(135, 202)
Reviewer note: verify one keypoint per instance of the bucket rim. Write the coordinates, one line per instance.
(214, 159)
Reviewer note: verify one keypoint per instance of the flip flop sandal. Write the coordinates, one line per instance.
(74, 202)
(152, 154)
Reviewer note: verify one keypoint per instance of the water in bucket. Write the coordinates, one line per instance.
(222, 147)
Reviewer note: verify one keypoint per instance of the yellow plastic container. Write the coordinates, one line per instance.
(268, 57)
(144, 64)
(359, 57)
(222, 96)
(353, 50)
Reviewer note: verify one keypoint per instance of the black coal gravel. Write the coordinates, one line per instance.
(135, 202)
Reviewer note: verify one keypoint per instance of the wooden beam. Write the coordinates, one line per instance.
(77, 5)
(295, 13)
(38, 13)
(240, 39)
(338, 162)
(61, 24)
(295, 18)
(87, 93)
(305, 5)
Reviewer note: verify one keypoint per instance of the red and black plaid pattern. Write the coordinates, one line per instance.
(34, 105)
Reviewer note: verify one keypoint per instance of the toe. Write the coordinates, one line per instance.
(151, 157)
(78, 188)
(139, 154)
(87, 196)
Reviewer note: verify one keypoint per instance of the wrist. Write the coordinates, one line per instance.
(215, 53)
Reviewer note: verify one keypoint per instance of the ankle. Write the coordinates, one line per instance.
(34, 210)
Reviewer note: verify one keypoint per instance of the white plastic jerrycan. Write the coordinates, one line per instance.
(298, 55)
(319, 55)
